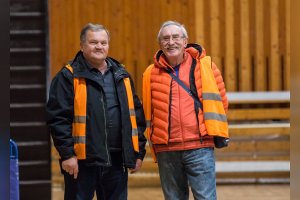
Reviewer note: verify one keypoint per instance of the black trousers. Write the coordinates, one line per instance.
(110, 183)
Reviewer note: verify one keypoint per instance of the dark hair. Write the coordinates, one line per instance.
(94, 28)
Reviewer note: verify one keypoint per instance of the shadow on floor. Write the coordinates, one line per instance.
(224, 192)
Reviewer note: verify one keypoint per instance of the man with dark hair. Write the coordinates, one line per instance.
(96, 121)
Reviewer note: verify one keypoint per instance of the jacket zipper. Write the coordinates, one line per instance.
(117, 80)
(180, 116)
(197, 109)
(170, 99)
(105, 131)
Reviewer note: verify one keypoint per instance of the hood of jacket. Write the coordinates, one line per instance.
(195, 50)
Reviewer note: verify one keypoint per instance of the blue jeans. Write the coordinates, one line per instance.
(179, 169)
(110, 183)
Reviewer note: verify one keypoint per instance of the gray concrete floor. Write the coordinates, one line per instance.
(224, 192)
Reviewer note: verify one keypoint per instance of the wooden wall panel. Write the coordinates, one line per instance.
(142, 43)
(260, 61)
(275, 69)
(248, 40)
(267, 40)
(230, 64)
(215, 50)
(207, 27)
(127, 27)
(245, 62)
(199, 22)
(287, 57)
(237, 41)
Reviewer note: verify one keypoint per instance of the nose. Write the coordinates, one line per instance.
(98, 46)
(171, 41)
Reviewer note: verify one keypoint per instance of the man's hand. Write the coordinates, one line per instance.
(138, 166)
(71, 166)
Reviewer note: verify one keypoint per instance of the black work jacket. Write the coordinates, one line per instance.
(60, 113)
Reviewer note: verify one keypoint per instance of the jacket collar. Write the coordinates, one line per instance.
(82, 69)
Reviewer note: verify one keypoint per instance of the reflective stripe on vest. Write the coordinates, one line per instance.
(79, 122)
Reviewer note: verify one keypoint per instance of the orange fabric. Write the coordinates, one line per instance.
(215, 127)
(80, 103)
(80, 99)
(183, 124)
(80, 151)
(187, 145)
(79, 128)
(160, 89)
(147, 107)
(135, 139)
(183, 131)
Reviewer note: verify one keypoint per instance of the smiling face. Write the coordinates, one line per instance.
(172, 42)
(95, 47)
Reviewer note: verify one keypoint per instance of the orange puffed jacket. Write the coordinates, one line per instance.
(170, 112)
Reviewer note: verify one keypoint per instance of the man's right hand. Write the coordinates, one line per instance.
(71, 166)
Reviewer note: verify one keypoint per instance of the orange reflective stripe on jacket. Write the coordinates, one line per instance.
(79, 121)
(135, 138)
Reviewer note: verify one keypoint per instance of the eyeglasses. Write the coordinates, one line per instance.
(166, 39)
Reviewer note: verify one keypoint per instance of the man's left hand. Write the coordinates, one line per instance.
(138, 166)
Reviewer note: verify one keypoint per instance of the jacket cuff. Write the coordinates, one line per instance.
(141, 156)
(65, 154)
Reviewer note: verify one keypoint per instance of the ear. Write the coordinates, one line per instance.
(185, 42)
(81, 47)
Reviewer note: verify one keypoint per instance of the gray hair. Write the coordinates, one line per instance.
(94, 28)
(168, 23)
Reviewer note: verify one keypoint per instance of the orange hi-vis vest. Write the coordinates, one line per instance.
(79, 121)
(214, 115)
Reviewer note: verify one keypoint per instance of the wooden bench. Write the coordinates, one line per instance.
(249, 106)
(258, 97)
(259, 124)
(257, 153)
